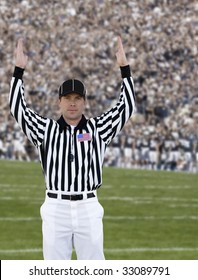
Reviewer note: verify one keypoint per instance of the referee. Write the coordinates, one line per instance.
(71, 152)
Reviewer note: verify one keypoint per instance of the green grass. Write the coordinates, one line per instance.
(148, 214)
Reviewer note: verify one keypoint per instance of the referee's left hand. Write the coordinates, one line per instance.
(120, 54)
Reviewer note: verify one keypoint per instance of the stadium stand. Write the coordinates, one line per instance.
(68, 39)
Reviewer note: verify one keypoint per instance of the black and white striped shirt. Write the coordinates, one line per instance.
(70, 162)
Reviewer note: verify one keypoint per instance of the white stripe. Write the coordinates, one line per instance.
(11, 86)
(136, 200)
(49, 155)
(185, 205)
(150, 218)
(116, 218)
(16, 187)
(130, 199)
(54, 157)
(109, 250)
(118, 122)
(104, 186)
(130, 92)
(127, 106)
(15, 94)
(81, 159)
(60, 160)
(39, 200)
(19, 219)
(20, 114)
(22, 198)
(73, 169)
(149, 199)
(18, 251)
(66, 161)
(72, 85)
(128, 250)
(156, 187)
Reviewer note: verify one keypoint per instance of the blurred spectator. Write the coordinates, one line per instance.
(76, 39)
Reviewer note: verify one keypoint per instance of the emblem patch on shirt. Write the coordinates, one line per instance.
(84, 137)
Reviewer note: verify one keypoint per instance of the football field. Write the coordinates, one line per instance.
(149, 215)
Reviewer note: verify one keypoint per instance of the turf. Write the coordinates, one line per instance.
(149, 215)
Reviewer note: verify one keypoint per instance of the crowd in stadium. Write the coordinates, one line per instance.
(67, 39)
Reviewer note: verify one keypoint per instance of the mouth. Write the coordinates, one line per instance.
(72, 111)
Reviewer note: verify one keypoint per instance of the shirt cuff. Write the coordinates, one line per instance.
(18, 72)
(125, 71)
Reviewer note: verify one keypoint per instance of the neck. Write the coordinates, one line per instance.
(74, 122)
(80, 125)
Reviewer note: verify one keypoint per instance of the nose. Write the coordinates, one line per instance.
(72, 103)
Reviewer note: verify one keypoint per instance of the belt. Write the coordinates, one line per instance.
(73, 197)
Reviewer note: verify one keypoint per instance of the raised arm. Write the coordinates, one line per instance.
(110, 123)
(30, 122)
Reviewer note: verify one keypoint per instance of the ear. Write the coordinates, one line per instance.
(59, 101)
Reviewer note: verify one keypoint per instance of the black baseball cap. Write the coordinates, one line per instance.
(72, 86)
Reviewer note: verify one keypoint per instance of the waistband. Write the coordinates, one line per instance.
(72, 197)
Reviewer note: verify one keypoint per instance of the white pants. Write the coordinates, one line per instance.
(67, 224)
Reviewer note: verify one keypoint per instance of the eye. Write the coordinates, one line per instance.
(66, 97)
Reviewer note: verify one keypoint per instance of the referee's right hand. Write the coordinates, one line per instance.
(21, 58)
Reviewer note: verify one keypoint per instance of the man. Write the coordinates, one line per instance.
(71, 152)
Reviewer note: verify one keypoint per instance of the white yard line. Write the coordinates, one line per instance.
(148, 198)
(19, 219)
(135, 199)
(109, 250)
(23, 198)
(21, 251)
(112, 218)
(18, 186)
(128, 250)
(150, 218)
(168, 187)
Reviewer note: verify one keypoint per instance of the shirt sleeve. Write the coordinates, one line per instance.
(110, 123)
(32, 124)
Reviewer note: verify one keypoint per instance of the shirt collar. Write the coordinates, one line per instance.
(63, 124)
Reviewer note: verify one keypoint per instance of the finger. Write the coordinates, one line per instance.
(20, 45)
(119, 39)
(120, 46)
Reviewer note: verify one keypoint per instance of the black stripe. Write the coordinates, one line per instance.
(96, 164)
(90, 152)
(31, 125)
(45, 148)
(69, 169)
(12, 92)
(51, 185)
(23, 124)
(76, 163)
(129, 102)
(57, 162)
(132, 88)
(16, 109)
(83, 165)
(104, 120)
(42, 155)
(63, 160)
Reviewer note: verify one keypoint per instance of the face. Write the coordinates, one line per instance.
(72, 106)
